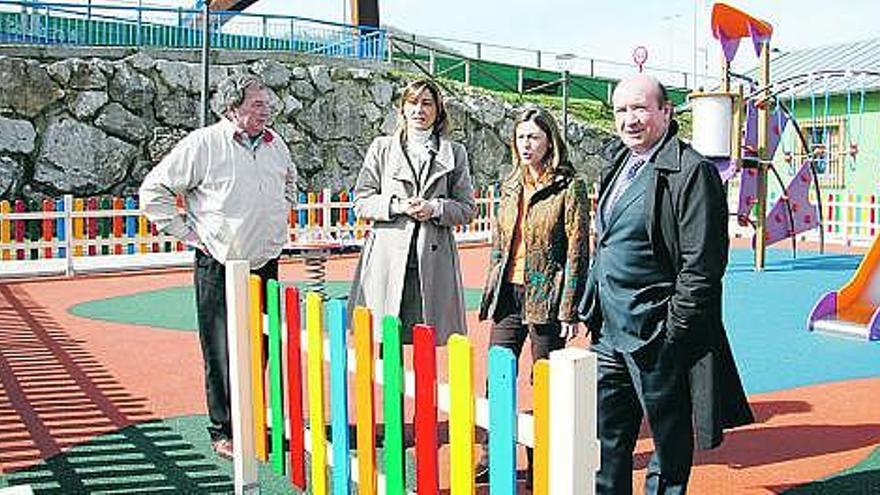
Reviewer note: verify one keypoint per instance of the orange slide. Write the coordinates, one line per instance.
(854, 310)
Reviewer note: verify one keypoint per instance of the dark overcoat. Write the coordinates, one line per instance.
(687, 226)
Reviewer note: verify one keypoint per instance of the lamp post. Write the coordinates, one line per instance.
(206, 48)
(671, 20)
(565, 61)
(699, 8)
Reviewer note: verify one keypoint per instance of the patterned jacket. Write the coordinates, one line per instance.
(557, 247)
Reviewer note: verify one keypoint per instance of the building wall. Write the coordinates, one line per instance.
(859, 175)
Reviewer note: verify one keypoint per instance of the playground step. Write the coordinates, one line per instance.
(841, 328)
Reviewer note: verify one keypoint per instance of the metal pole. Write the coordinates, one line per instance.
(565, 82)
(89, 23)
(206, 49)
(763, 158)
(139, 21)
(390, 44)
(736, 129)
(725, 75)
(696, 13)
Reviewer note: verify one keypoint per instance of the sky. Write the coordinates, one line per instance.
(605, 30)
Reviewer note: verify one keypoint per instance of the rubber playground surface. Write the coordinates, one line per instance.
(101, 385)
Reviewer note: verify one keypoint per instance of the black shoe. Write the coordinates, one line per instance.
(481, 472)
(379, 439)
(529, 478)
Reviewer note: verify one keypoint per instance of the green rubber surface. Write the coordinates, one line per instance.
(174, 308)
(863, 478)
(172, 456)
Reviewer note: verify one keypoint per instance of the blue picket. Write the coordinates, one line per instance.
(502, 421)
(339, 396)
(60, 232)
(131, 224)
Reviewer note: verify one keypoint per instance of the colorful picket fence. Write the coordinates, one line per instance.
(103, 226)
(70, 229)
(847, 220)
(293, 402)
(77, 227)
(852, 217)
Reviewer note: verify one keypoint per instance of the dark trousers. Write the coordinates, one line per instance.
(411, 300)
(210, 284)
(654, 381)
(410, 313)
(509, 331)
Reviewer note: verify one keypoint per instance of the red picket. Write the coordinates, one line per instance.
(425, 364)
(48, 226)
(294, 389)
(118, 221)
(19, 227)
(92, 225)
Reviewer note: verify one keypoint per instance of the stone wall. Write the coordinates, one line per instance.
(95, 125)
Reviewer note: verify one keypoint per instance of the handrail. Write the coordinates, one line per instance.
(175, 10)
(548, 52)
(67, 23)
(413, 41)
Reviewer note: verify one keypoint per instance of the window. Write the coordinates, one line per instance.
(827, 140)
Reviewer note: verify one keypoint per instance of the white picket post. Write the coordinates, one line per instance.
(244, 462)
(574, 444)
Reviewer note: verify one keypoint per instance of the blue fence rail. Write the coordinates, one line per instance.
(159, 27)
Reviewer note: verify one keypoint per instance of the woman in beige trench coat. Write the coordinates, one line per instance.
(415, 187)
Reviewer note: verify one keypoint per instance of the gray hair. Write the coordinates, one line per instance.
(230, 91)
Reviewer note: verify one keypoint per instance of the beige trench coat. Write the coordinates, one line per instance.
(379, 280)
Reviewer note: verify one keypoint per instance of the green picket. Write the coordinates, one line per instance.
(393, 407)
(273, 309)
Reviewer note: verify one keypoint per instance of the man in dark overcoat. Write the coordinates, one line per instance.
(653, 297)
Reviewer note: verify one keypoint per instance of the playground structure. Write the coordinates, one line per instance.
(854, 310)
(741, 132)
(566, 448)
(735, 131)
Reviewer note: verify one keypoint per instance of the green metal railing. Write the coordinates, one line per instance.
(115, 25)
(498, 76)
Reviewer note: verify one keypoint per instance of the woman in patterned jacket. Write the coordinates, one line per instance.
(540, 250)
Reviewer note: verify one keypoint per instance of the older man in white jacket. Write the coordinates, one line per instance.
(238, 184)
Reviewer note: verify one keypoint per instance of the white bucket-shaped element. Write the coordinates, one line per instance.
(712, 121)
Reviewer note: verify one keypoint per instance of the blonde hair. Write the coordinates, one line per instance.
(557, 150)
(441, 121)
